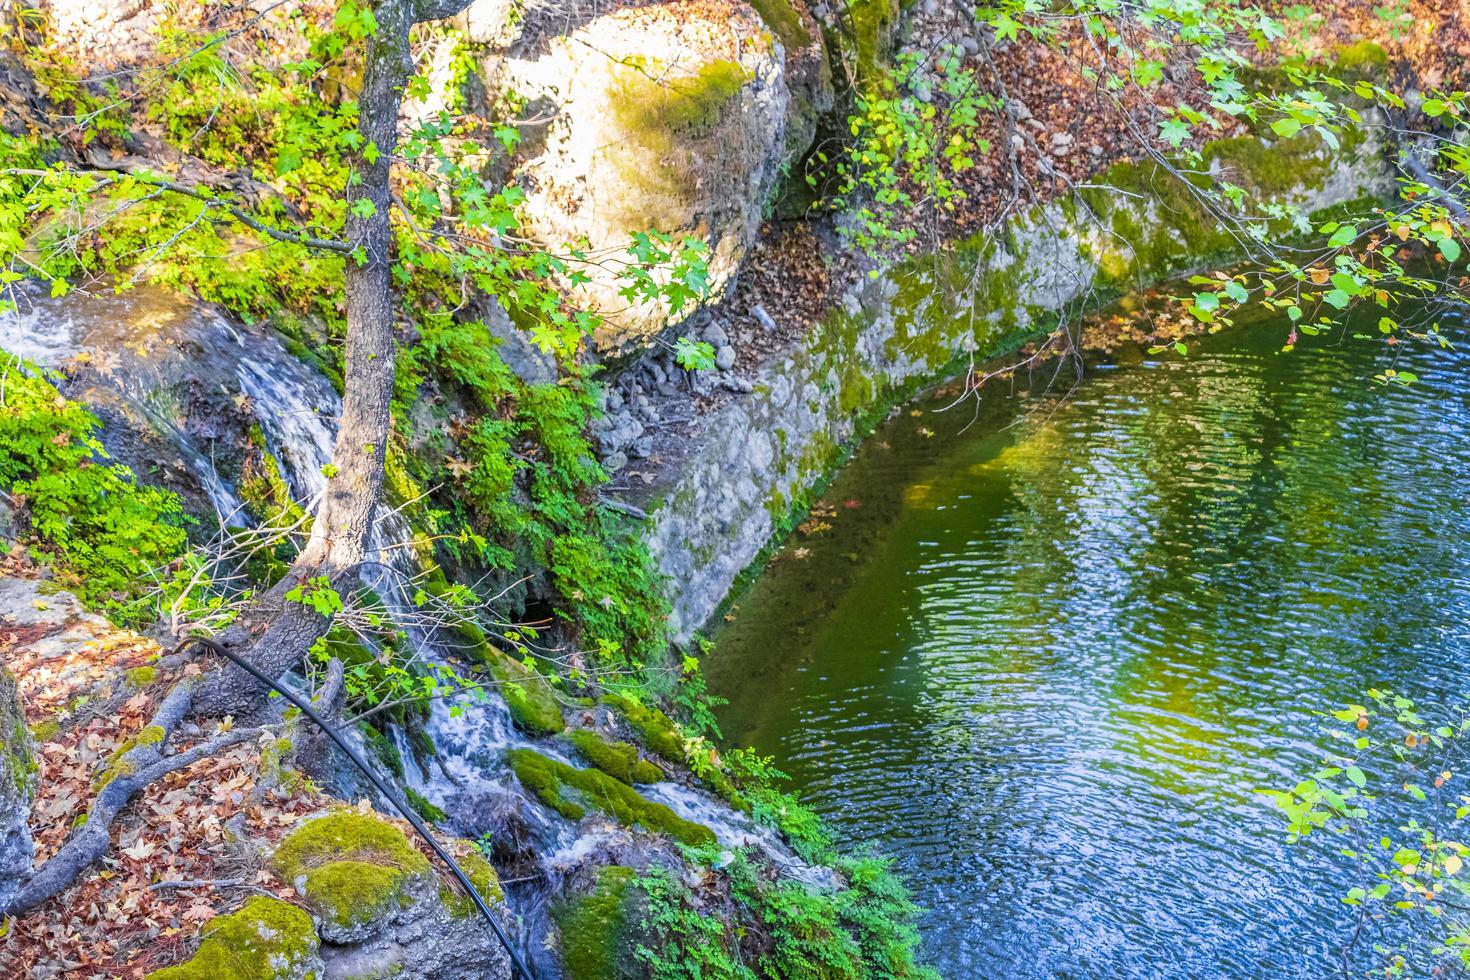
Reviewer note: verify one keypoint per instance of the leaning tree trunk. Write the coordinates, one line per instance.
(341, 532)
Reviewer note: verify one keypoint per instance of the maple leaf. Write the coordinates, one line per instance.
(198, 913)
(140, 850)
(459, 468)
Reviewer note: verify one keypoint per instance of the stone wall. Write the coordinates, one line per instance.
(760, 456)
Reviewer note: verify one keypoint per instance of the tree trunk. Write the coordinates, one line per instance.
(342, 529)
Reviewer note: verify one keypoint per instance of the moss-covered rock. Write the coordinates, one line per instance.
(655, 729)
(598, 929)
(572, 792)
(268, 939)
(618, 759)
(532, 703)
(354, 870)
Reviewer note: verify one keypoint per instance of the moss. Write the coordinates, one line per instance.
(532, 702)
(594, 927)
(870, 25)
(654, 727)
(1361, 60)
(654, 105)
(264, 490)
(571, 792)
(480, 874)
(116, 766)
(383, 749)
(346, 834)
(783, 18)
(354, 892)
(422, 806)
(355, 865)
(18, 764)
(265, 939)
(141, 676)
(45, 731)
(618, 759)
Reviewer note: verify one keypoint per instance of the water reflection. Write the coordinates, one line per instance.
(1047, 660)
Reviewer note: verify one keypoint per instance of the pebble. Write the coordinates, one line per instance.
(725, 358)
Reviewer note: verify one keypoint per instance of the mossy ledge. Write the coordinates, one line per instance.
(572, 792)
(267, 939)
(618, 759)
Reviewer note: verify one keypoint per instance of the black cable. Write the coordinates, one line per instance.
(408, 813)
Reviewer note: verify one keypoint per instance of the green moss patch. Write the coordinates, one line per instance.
(783, 20)
(654, 728)
(532, 702)
(265, 940)
(571, 792)
(647, 104)
(356, 866)
(618, 759)
(594, 928)
(481, 875)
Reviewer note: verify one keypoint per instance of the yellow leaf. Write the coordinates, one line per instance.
(1453, 864)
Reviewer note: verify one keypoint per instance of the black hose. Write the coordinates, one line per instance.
(376, 780)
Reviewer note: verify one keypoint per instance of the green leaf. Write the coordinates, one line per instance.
(1356, 777)
(1345, 235)
(1286, 128)
(1449, 248)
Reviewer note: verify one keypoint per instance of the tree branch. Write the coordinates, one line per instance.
(104, 176)
(137, 767)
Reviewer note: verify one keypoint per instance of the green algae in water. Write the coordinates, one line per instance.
(1045, 661)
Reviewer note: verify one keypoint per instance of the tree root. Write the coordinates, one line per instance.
(135, 769)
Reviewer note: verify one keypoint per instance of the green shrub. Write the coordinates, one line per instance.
(102, 531)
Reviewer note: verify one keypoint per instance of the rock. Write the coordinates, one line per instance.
(970, 45)
(725, 358)
(1094, 150)
(671, 117)
(17, 790)
(613, 432)
(1020, 110)
(613, 462)
(642, 448)
(380, 908)
(930, 7)
(759, 314)
(715, 335)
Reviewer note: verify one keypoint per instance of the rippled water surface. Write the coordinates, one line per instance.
(1044, 662)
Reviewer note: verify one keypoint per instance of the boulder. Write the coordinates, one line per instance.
(674, 117)
(380, 907)
(267, 939)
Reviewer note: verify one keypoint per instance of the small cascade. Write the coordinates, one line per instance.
(297, 410)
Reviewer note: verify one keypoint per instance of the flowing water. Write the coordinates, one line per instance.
(1045, 662)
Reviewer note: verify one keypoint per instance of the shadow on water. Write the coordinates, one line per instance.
(1046, 661)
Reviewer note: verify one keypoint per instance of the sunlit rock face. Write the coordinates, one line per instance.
(672, 117)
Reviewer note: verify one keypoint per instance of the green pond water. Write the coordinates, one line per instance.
(1044, 661)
